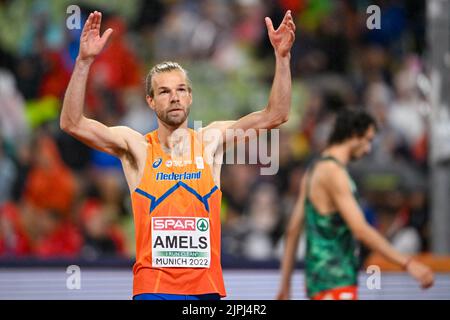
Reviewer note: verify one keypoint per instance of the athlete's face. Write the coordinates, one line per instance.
(361, 146)
(172, 97)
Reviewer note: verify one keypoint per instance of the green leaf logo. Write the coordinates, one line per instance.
(202, 225)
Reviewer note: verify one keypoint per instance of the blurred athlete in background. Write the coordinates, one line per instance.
(328, 209)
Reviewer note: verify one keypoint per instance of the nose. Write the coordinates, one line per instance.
(174, 97)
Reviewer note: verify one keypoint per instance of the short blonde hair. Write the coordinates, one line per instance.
(165, 66)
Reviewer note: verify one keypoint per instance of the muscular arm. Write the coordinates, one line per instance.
(277, 110)
(292, 235)
(113, 140)
(341, 195)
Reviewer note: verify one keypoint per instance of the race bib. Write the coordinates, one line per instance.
(180, 242)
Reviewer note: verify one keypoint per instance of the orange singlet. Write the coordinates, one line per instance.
(176, 209)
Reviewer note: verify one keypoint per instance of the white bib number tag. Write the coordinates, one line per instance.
(182, 242)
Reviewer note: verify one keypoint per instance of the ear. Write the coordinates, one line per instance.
(353, 142)
(190, 97)
(150, 102)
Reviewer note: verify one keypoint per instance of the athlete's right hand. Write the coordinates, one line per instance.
(421, 272)
(91, 44)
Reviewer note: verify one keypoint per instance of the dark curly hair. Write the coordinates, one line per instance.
(350, 123)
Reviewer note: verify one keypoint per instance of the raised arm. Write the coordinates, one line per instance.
(112, 140)
(340, 192)
(292, 235)
(277, 110)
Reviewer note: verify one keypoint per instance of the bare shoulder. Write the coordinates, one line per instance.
(334, 177)
(329, 172)
(136, 142)
(133, 161)
(304, 180)
(219, 125)
(212, 134)
(130, 135)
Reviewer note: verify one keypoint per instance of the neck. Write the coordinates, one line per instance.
(340, 152)
(165, 131)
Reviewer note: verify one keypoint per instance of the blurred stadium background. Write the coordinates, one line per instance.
(62, 203)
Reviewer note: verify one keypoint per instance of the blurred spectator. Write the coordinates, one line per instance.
(394, 26)
(14, 241)
(174, 33)
(407, 228)
(13, 125)
(116, 69)
(22, 159)
(49, 184)
(29, 71)
(8, 175)
(100, 217)
(262, 218)
(102, 235)
(56, 238)
(75, 154)
(138, 114)
(236, 189)
(55, 77)
(406, 116)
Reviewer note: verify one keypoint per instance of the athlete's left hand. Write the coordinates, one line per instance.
(421, 272)
(282, 38)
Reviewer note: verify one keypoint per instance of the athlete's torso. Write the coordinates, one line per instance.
(176, 208)
(331, 259)
(133, 163)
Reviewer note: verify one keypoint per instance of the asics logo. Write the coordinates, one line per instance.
(157, 163)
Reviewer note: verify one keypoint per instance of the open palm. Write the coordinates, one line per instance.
(282, 38)
(91, 44)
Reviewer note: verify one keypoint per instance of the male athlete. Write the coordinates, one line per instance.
(332, 218)
(174, 190)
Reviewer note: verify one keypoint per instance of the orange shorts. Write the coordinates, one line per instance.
(341, 293)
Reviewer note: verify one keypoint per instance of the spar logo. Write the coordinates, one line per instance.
(157, 163)
(202, 225)
(174, 224)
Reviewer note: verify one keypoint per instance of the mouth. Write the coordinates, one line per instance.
(175, 110)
